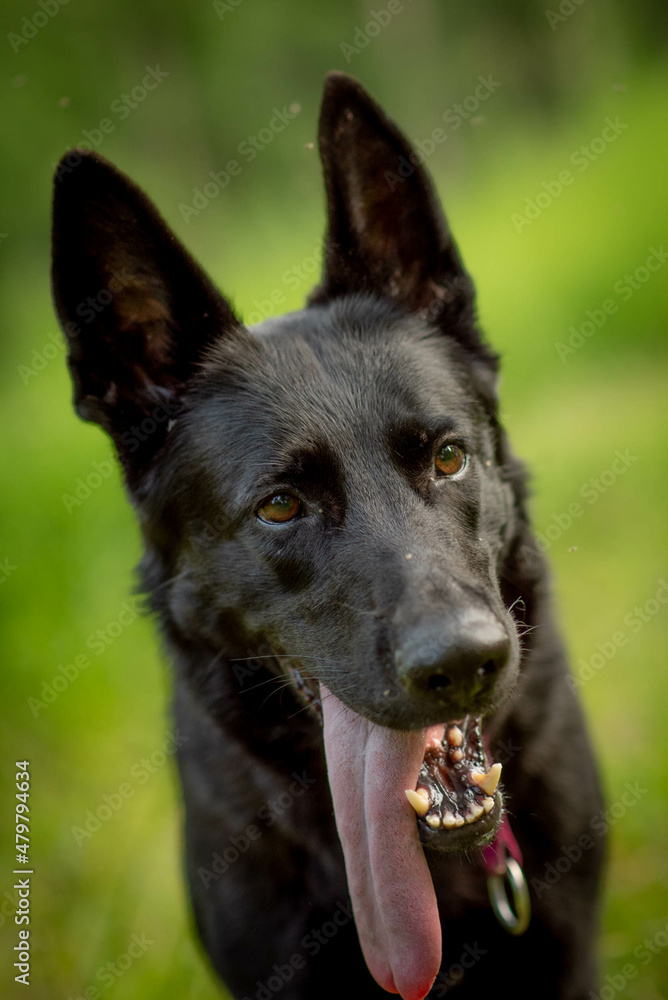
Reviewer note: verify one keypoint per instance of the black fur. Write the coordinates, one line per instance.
(343, 404)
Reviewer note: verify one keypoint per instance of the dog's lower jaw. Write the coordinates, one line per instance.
(457, 798)
(457, 785)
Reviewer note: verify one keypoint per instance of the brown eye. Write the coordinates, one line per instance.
(450, 460)
(280, 508)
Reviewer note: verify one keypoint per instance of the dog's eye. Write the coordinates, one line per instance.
(450, 460)
(279, 508)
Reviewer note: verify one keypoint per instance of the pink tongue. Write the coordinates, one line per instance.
(391, 889)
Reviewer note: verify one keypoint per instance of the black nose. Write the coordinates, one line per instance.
(458, 664)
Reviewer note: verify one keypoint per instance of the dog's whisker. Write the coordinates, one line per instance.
(269, 680)
(278, 677)
(166, 583)
(290, 656)
(214, 660)
(518, 600)
(276, 690)
(299, 711)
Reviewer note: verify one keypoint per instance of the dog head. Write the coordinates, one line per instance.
(332, 484)
(343, 466)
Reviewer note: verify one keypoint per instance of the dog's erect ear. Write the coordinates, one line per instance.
(387, 234)
(136, 309)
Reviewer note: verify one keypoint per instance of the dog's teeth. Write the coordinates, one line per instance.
(455, 736)
(433, 820)
(489, 781)
(449, 819)
(474, 812)
(419, 800)
(456, 755)
(459, 820)
(487, 804)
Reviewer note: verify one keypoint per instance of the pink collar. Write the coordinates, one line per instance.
(494, 855)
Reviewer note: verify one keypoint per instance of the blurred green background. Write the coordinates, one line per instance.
(559, 75)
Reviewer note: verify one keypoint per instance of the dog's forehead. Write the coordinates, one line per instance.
(340, 371)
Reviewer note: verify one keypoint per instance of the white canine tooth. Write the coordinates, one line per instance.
(459, 820)
(419, 799)
(455, 736)
(434, 821)
(456, 755)
(475, 811)
(487, 804)
(489, 781)
(449, 819)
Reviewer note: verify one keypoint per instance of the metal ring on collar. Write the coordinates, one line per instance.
(514, 919)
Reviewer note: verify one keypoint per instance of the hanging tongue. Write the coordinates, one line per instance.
(392, 893)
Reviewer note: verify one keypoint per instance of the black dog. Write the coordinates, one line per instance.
(338, 552)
